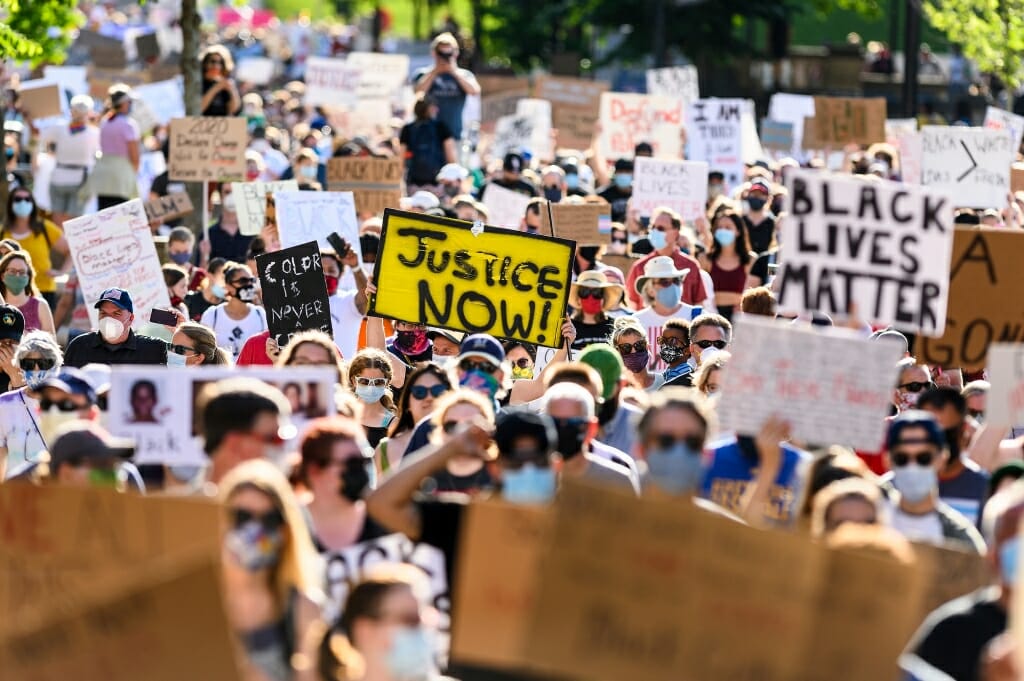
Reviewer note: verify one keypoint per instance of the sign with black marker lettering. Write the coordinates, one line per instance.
(444, 273)
(881, 245)
(207, 148)
(972, 164)
(294, 291)
(716, 135)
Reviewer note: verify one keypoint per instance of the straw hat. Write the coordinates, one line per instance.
(595, 279)
(662, 267)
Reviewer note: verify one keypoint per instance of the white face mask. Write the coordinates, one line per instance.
(228, 203)
(52, 419)
(174, 360)
(111, 329)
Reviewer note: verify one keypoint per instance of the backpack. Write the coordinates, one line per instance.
(425, 153)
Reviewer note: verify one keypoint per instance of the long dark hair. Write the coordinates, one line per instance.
(35, 221)
(742, 242)
(405, 422)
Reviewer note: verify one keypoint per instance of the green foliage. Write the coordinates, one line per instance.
(991, 33)
(25, 29)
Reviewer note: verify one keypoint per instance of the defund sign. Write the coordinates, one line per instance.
(447, 273)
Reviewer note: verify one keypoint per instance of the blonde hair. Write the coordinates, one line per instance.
(624, 325)
(850, 488)
(445, 38)
(206, 344)
(703, 375)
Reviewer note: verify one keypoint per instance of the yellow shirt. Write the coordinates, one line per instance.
(38, 249)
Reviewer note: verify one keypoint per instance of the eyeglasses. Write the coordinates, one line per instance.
(65, 406)
(590, 293)
(180, 349)
(672, 341)
(270, 520)
(666, 441)
(420, 392)
(42, 364)
(248, 281)
(523, 362)
(518, 458)
(901, 459)
(630, 348)
(667, 282)
(916, 386)
(471, 365)
(18, 273)
(705, 344)
(372, 382)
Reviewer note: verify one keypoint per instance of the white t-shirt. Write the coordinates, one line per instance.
(346, 321)
(654, 322)
(232, 333)
(921, 528)
(77, 149)
(19, 428)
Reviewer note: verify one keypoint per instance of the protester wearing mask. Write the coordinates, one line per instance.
(511, 177)
(574, 186)
(553, 185)
(674, 351)
(369, 375)
(112, 181)
(618, 192)
(445, 346)
(716, 186)
(271, 575)
(306, 168)
(758, 216)
(194, 344)
(65, 396)
(616, 419)
(348, 307)
(666, 226)
(18, 288)
(451, 179)
(75, 147)
(220, 93)
(237, 319)
(38, 238)
(410, 344)
(176, 281)
(423, 387)
(914, 380)
(661, 285)
(180, 246)
(630, 339)
(708, 378)
(670, 443)
(211, 292)
(12, 328)
(21, 438)
(916, 452)
(520, 357)
(591, 297)
(532, 221)
(463, 474)
(729, 261)
(225, 239)
(708, 331)
(115, 342)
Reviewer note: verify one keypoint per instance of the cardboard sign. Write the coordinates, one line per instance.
(331, 82)
(680, 82)
(575, 103)
(294, 291)
(1017, 177)
(147, 46)
(985, 280)
(881, 245)
(251, 202)
(579, 222)
(169, 207)
(114, 247)
(381, 75)
(376, 183)
(795, 109)
(971, 164)
(839, 121)
(680, 185)
(505, 208)
(113, 57)
(628, 119)
(166, 99)
(207, 148)
(41, 99)
(494, 107)
(777, 135)
(255, 70)
(715, 133)
(833, 386)
(311, 216)
(1005, 405)
(1001, 119)
(953, 573)
(444, 273)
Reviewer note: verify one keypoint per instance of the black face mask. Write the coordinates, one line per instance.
(756, 204)
(570, 440)
(609, 408)
(355, 479)
(953, 442)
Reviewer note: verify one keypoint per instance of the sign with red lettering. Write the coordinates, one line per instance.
(207, 148)
(832, 386)
(332, 82)
(628, 119)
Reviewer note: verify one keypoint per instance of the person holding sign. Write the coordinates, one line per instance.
(237, 319)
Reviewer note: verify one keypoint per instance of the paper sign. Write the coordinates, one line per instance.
(839, 121)
(41, 99)
(1005, 405)
(833, 387)
(493, 107)
(439, 272)
(505, 208)
(908, 144)
(331, 82)
(577, 222)
(985, 306)
(679, 185)
(680, 82)
(255, 70)
(715, 132)
(1001, 119)
(777, 135)
(538, 112)
(311, 216)
(880, 245)
(575, 103)
(73, 79)
(545, 355)
(628, 119)
(972, 164)
(294, 291)
(793, 109)
(894, 127)
(251, 202)
(165, 99)
(146, 406)
(114, 247)
(169, 207)
(370, 118)
(381, 75)
(209, 148)
(376, 183)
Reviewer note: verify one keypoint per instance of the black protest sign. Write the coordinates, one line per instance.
(294, 291)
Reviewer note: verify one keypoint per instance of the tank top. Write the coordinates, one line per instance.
(30, 311)
(728, 281)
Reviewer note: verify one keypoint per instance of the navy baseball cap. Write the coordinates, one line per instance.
(915, 418)
(117, 296)
(484, 346)
(72, 381)
(12, 323)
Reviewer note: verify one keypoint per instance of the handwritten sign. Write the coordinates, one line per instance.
(114, 247)
(575, 103)
(251, 202)
(381, 76)
(881, 245)
(777, 135)
(628, 119)
(833, 387)
(545, 355)
(145, 407)
(438, 272)
(294, 291)
(680, 185)
(680, 82)
(375, 183)
(985, 306)
(840, 120)
(311, 216)
(1005, 404)
(331, 82)
(579, 222)
(169, 207)
(1001, 119)
(716, 136)
(205, 149)
(538, 112)
(972, 164)
(505, 208)
(255, 70)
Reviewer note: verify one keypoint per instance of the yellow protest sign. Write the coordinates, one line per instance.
(439, 272)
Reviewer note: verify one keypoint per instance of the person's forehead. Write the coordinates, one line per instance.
(675, 421)
(57, 394)
(629, 337)
(463, 410)
(708, 332)
(564, 408)
(427, 380)
(111, 308)
(673, 333)
(663, 219)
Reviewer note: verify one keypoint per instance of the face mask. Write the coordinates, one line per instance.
(332, 284)
(370, 393)
(174, 360)
(111, 329)
(355, 479)
(907, 400)
(526, 372)
(669, 296)
(252, 174)
(253, 546)
(245, 293)
(1008, 561)
(443, 361)
(451, 190)
(953, 442)
(572, 180)
(532, 229)
(637, 361)
(219, 291)
(915, 482)
(530, 484)
(714, 191)
(756, 203)
(657, 239)
(623, 181)
(9, 153)
(570, 440)
(228, 203)
(591, 305)
(553, 194)
(180, 258)
(177, 300)
(51, 420)
(608, 409)
(411, 656)
(22, 208)
(669, 353)
(309, 172)
(412, 342)
(480, 382)
(16, 283)
(677, 470)
(725, 238)
(35, 377)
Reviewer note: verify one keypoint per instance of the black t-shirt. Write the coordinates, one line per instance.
(162, 186)
(760, 235)
(520, 186)
(90, 347)
(232, 247)
(445, 482)
(954, 636)
(617, 199)
(760, 267)
(220, 103)
(196, 305)
(588, 334)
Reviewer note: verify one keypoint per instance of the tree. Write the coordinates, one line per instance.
(991, 33)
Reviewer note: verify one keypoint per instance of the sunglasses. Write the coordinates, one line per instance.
(916, 386)
(630, 348)
(22, 197)
(372, 382)
(705, 344)
(591, 293)
(516, 459)
(248, 281)
(43, 364)
(470, 365)
(667, 282)
(672, 341)
(62, 405)
(901, 459)
(269, 521)
(420, 392)
(523, 362)
(215, 62)
(180, 349)
(667, 441)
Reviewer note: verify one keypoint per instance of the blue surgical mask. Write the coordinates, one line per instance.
(174, 360)
(219, 291)
(35, 377)
(657, 239)
(572, 180)
(180, 258)
(677, 470)
(623, 180)
(1008, 561)
(370, 393)
(308, 172)
(915, 482)
(411, 655)
(725, 238)
(553, 194)
(670, 296)
(22, 208)
(530, 484)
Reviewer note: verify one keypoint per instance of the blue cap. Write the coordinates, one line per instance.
(915, 418)
(484, 346)
(117, 296)
(72, 381)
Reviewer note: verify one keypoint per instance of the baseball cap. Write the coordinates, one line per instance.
(12, 323)
(518, 424)
(513, 162)
(72, 381)
(87, 440)
(915, 418)
(454, 336)
(117, 296)
(423, 200)
(452, 172)
(607, 362)
(624, 165)
(484, 346)
(761, 185)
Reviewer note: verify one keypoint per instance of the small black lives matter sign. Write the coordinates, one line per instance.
(294, 291)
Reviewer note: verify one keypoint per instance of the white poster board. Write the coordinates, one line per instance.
(165, 100)
(538, 111)
(627, 119)
(715, 136)
(255, 70)
(1001, 119)
(251, 202)
(971, 164)
(505, 208)
(311, 216)
(331, 82)
(381, 75)
(680, 185)
(680, 82)
(794, 109)
(1005, 404)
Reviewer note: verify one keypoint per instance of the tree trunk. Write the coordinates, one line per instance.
(190, 35)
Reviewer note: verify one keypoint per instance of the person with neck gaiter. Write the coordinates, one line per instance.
(629, 338)
(592, 296)
(411, 344)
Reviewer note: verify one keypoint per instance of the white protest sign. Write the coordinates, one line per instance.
(255, 70)
(894, 127)
(511, 133)
(882, 245)
(680, 82)
(381, 75)
(793, 109)
(1001, 119)
(680, 185)
(1005, 404)
(715, 134)
(166, 99)
(539, 113)
(972, 164)
(628, 119)
(146, 406)
(251, 202)
(331, 82)
(505, 208)
(74, 79)
(545, 355)
(114, 247)
(751, 149)
(832, 385)
(908, 144)
(311, 216)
